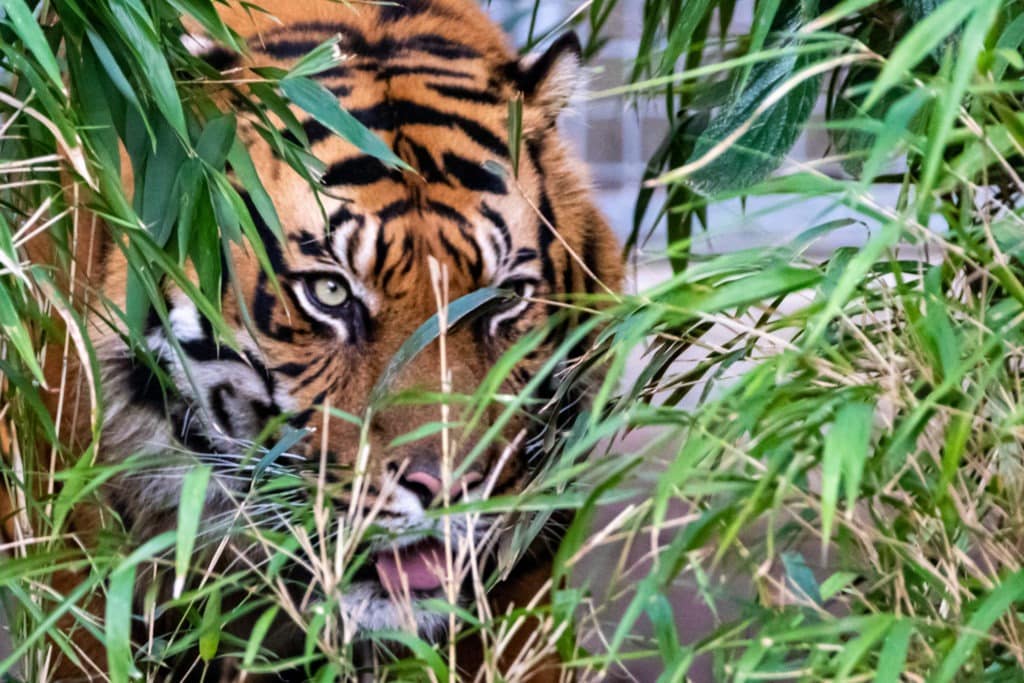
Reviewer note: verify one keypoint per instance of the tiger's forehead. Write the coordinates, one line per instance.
(440, 103)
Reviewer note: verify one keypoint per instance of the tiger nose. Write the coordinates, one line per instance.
(427, 486)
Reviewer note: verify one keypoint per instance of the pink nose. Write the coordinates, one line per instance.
(433, 485)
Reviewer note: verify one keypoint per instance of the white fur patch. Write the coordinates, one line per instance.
(197, 44)
(184, 319)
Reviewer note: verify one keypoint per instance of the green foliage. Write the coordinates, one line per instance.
(819, 448)
(861, 415)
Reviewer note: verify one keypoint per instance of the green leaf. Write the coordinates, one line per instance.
(190, 189)
(916, 45)
(760, 150)
(893, 658)
(209, 629)
(801, 576)
(988, 610)
(289, 439)
(242, 164)
(421, 432)
(663, 619)
(425, 652)
(118, 625)
(216, 141)
(515, 132)
(156, 180)
(1008, 48)
(190, 511)
(427, 333)
(855, 650)
(24, 24)
(899, 123)
(149, 550)
(681, 34)
(764, 17)
(754, 288)
(14, 330)
(950, 101)
(113, 71)
(844, 456)
(318, 101)
(141, 39)
(258, 635)
(324, 56)
(835, 583)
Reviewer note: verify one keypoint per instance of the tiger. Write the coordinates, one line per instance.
(365, 258)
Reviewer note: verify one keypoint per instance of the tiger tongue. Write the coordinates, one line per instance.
(422, 565)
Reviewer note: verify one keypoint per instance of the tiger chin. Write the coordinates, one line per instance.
(354, 279)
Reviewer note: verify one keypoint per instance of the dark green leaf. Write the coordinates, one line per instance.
(324, 107)
(20, 18)
(772, 133)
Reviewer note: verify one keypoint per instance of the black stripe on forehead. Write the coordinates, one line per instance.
(407, 257)
(395, 209)
(475, 261)
(390, 71)
(358, 170)
(472, 175)
(393, 114)
(344, 215)
(466, 94)
(444, 211)
(404, 10)
(471, 257)
(299, 39)
(308, 243)
(424, 160)
(501, 239)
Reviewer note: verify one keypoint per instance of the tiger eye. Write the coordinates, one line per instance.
(329, 292)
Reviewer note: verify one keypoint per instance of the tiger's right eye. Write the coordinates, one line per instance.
(329, 293)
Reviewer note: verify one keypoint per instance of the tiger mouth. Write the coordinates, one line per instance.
(416, 568)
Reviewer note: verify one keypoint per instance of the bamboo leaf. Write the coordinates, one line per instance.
(515, 132)
(893, 657)
(324, 56)
(259, 635)
(844, 457)
(427, 333)
(21, 20)
(190, 512)
(140, 37)
(118, 626)
(16, 333)
(915, 46)
(772, 132)
(316, 100)
(209, 629)
(985, 613)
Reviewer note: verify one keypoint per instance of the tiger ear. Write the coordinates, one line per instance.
(548, 80)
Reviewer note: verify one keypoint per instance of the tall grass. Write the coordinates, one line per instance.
(819, 454)
(842, 499)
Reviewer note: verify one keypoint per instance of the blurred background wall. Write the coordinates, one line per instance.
(616, 137)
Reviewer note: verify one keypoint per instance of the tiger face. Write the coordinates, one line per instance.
(369, 256)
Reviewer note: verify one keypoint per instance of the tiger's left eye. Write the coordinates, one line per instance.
(327, 292)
